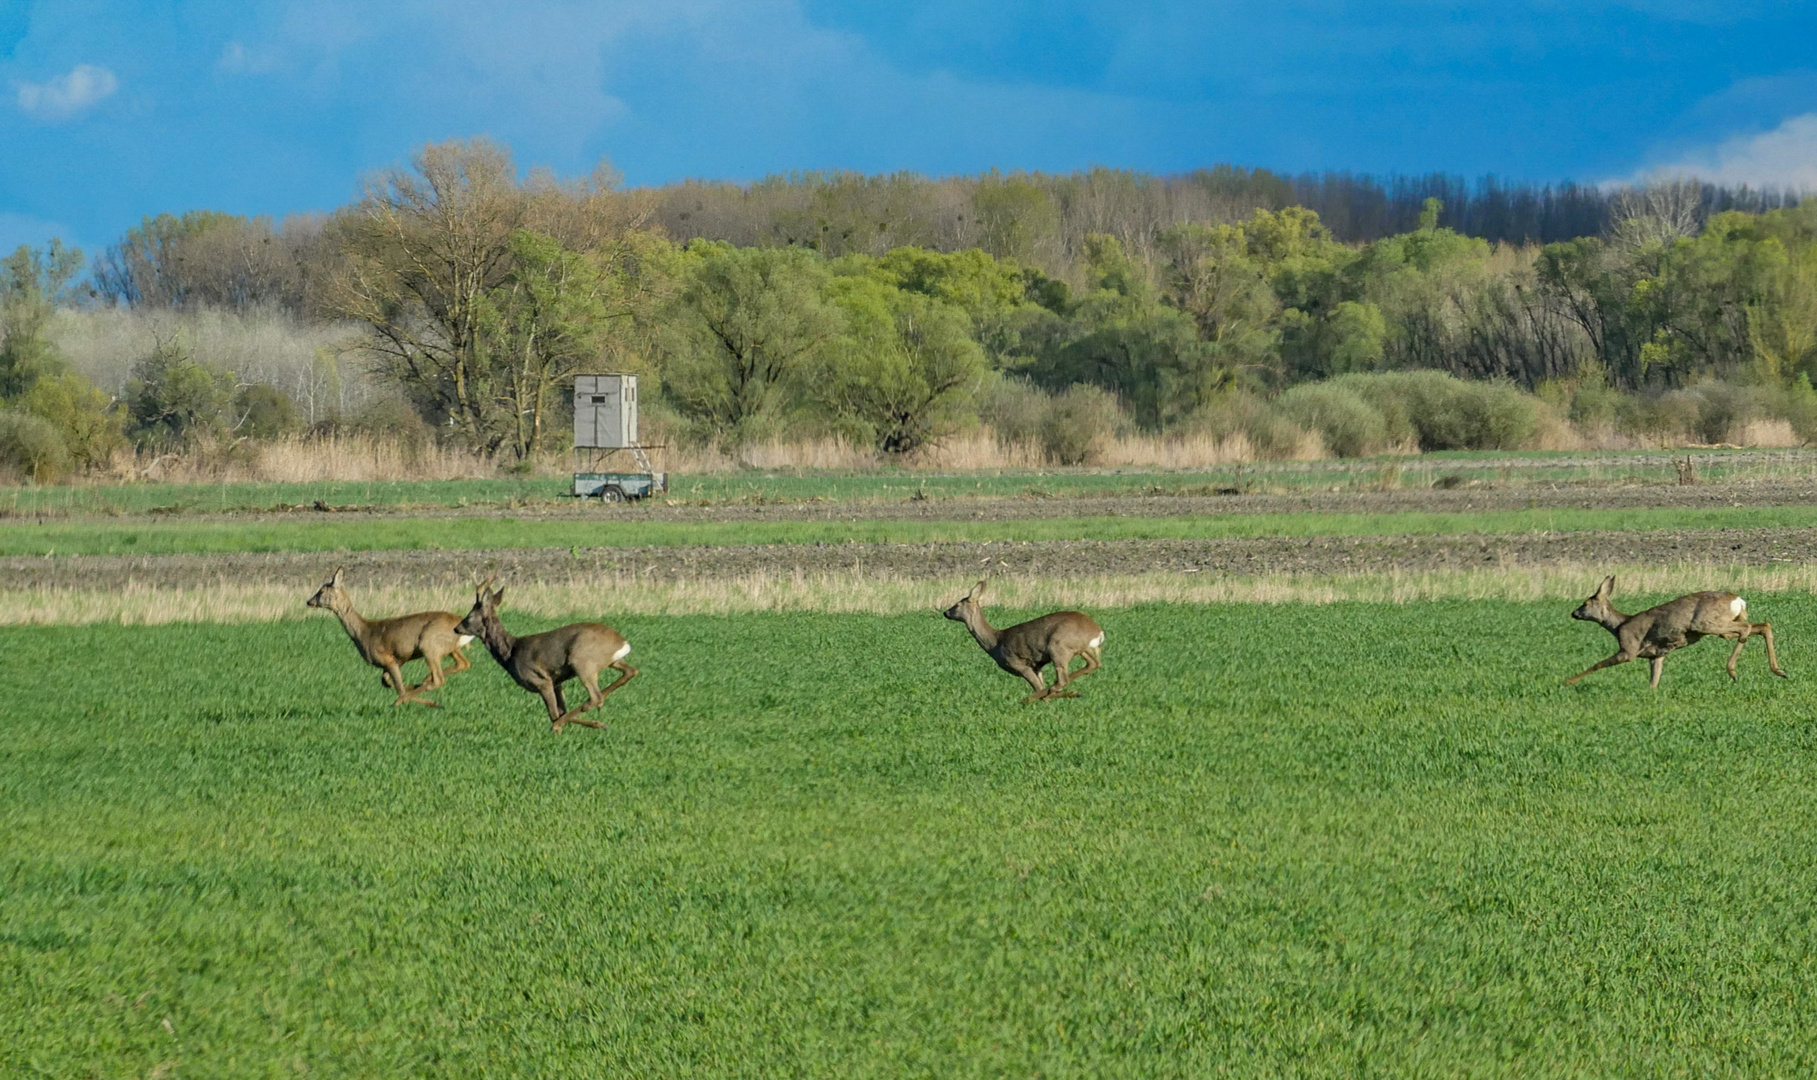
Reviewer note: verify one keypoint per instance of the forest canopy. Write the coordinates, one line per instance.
(894, 311)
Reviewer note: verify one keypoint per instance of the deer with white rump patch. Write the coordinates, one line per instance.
(541, 663)
(1672, 625)
(1025, 648)
(389, 644)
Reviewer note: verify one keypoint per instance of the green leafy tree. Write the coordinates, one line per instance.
(907, 368)
(33, 282)
(1358, 332)
(1782, 327)
(1125, 340)
(1002, 299)
(745, 327)
(543, 324)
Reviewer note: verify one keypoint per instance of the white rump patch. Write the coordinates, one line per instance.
(623, 651)
(465, 640)
(1738, 607)
(1095, 642)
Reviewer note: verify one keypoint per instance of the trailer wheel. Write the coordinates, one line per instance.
(611, 493)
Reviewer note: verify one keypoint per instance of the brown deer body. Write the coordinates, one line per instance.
(541, 663)
(1024, 649)
(389, 644)
(1653, 633)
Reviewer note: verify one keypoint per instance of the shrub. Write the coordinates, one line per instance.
(1350, 426)
(1270, 432)
(265, 412)
(1077, 423)
(1443, 412)
(173, 399)
(1014, 409)
(84, 417)
(32, 448)
(391, 418)
(1663, 418)
(1799, 408)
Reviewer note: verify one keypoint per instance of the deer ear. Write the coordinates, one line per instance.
(498, 597)
(1608, 587)
(977, 590)
(335, 578)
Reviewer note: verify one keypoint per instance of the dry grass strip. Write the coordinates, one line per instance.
(136, 604)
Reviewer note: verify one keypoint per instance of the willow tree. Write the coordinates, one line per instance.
(458, 267)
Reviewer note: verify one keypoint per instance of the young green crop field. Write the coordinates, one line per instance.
(895, 484)
(478, 534)
(1267, 841)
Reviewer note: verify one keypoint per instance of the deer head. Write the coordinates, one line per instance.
(1597, 609)
(329, 595)
(967, 606)
(485, 609)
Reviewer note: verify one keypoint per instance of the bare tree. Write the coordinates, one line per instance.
(1656, 213)
(428, 261)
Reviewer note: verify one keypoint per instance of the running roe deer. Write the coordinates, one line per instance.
(541, 663)
(1672, 625)
(389, 644)
(1023, 649)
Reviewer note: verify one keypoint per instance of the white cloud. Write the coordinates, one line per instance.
(237, 59)
(1785, 157)
(67, 95)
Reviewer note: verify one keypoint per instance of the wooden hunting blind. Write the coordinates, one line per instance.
(605, 412)
(605, 421)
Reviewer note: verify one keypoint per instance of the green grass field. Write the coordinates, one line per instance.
(478, 534)
(894, 485)
(1346, 840)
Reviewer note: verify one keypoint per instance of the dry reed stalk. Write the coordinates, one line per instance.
(135, 604)
(303, 459)
(1184, 452)
(979, 449)
(1768, 434)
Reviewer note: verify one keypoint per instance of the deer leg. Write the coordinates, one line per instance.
(405, 692)
(1741, 639)
(1033, 675)
(552, 701)
(461, 662)
(1091, 665)
(1061, 678)
(1766, 631)
(435, 679)
(627, 673)
(590, 680)
(1658, 664)
(1618, 658)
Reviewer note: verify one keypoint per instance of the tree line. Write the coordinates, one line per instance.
(896, 310)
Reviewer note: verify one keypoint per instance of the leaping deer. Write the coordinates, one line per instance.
(389, 644)
(1025, 648)
(541, 663)
(1672, 625)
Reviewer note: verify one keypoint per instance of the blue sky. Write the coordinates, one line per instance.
(113, 111)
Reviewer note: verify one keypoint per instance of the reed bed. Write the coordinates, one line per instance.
(302, 459)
